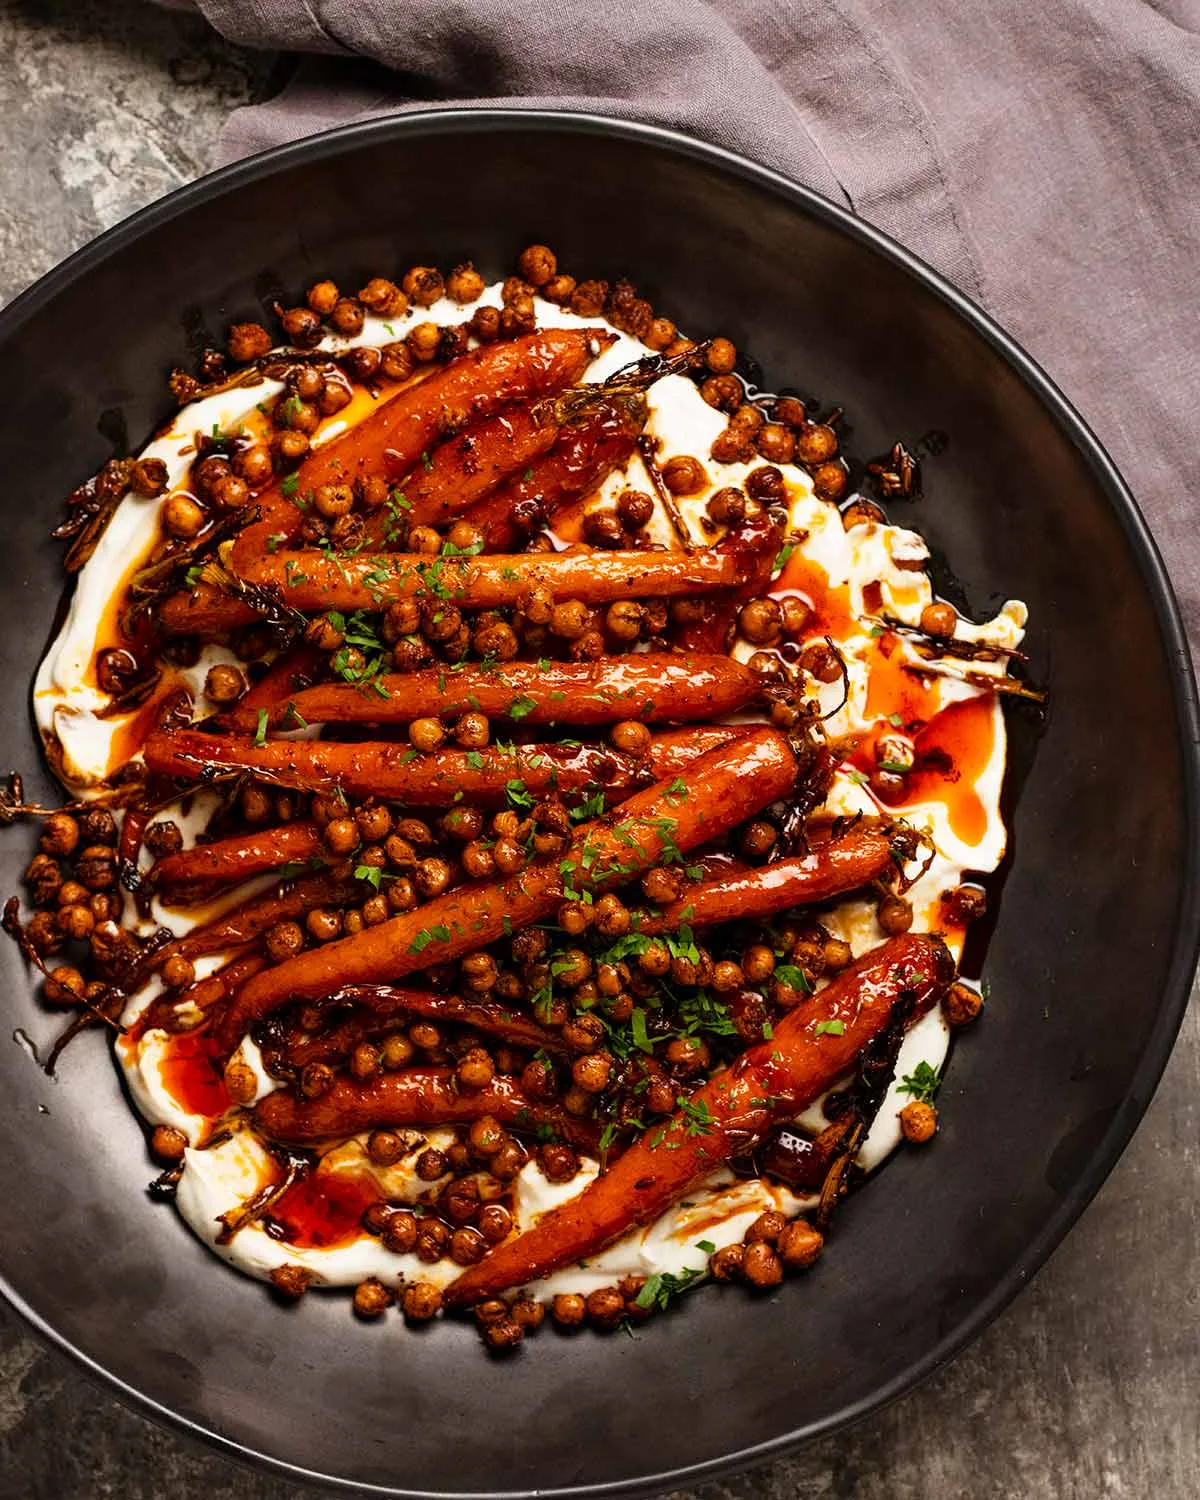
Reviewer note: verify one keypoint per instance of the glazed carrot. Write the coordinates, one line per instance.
(464, 469)
(309, 580)
(291, 671)
(392, 440)
(590, 447)
(394, 770)
(720, 790)
(249, 920)
(377, 1005)
(412, 1096)
(650, 688)
(828, 871)
(133, 827)
(204, 993)
(755, 543)
(769, 1083)
(228, 861)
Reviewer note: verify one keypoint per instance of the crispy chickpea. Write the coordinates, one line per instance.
(247, 341)
(939, 620)
(766, 484)
(316, 1079)
(365, 1060)
(631, 736)
(894, 915)
(76, 922)
(288, 448)
(178, 971)
(558, 1162)
(758, 839)
(371, 1298)
(64, 986)
(224, 684)
(464, 284)
(44, 877)
(426, 735)
(507, 855)
(603, 528)
(475, 1070)
(497, 639)
(284, 941)
(420, 1301)
(322, 297)
(480, 973)
(569, 619)
(340, 835)
(799, 1245)
(766, 1228)
(494, 1222)
(635, 508)
(60, 834)
(612, 919)
(333, 500)
(400, 1232)
(592, 1072)
(720, 356)
(816, 443)
(684, 475)
(462, 822)
(568, 1309)
(588, 298)
(837, 954)
(432, 876)
(96, 868)
(486, 1135)
(727, 977)
(761, 621)
(397, 1051)
(584, 1033)
(182, 517)
(605, 1307)
(383, 298)
(820, 661)
(761, 1266)
(758, 963)
(290, 1282)
(168, 1144)
(423, 285)
(538, 264)
(324, 923)
(918, 1121)
(961, 1004)
(660, 334)
(430, 1164)
(726, 1264)
(776, 443)
(687, 1056)
(472, 731)
(467, 1246)
(163, 837)
(528, 1314)
(830, 480)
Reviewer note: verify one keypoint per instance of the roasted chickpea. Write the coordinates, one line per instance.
(432, 876)
(592, 1072)
(758, 839)
(776, 443)
(684, 475)
(426, 735)
(60, 834)
(726, 1264)
(178, 971)
(420, 1301)
(464, 284)
(486, 1135)
(568, 1309)
(918, 1121)
(284, 941)
(799, 1245)
(761, 621)
(635, 508)
(966, 903)
(507, 855)
(820, 661)
(423, 285)
(720, 356)
(341, 835)
(766, 1228)
(761, 1266)
(494, 1222)
(322, 297)
(569, 619)
(538, 265)
(324, 923)
(758, 963)
(64, 986)
(247, 341)
(605, 1307)
(96, 867)
(766, 484)
(830, 480)
(316, 1079)
(894, 915)
(168, 1143)
(558, 1163)
(479, 973)
(961, 1004)
(371, 1298)
(816, 443)
(288, 448)
(612, 919)
(688, 1055)
(182, 517)
(472, 731)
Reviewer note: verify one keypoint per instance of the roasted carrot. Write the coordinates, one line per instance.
(377, 1006)
(309, 580)
(650, 688)
(440, 779)
(290, 672)
(754, 542)
(249, 920)
(590, 447)
(720, 790)
(464, 469)
(840, 866)
(769, 1083)
(392, 440)
(413, 1096)
(203, 994)
(229, 861)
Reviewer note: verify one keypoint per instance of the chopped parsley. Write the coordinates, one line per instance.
(829, 1028)
(922, 1083)
(663, 1287)
(260, 734)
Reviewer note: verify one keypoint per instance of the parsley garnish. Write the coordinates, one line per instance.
(663, 1287)
(260, 734)
(922, 1083)
(829, 1028)
(519, 707)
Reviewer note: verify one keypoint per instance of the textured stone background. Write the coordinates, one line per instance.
(1088, 1387)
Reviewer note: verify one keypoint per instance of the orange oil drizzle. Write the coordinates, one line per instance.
(324, 1209)
(830, 604)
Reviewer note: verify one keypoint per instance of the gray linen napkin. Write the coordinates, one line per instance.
(1043, 157)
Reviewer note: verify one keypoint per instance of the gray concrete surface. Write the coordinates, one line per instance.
(1088, 1387)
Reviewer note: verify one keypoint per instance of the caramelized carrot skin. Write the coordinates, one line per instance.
(249, 920)
(462, 470)
(651, 688)
(440, 779)
(228, 861)
(722, 788)
(290, 672)
(589, 448)
(412, 1096)
(392, 439)
(770, 1082)
(310, 580)
(851, 861)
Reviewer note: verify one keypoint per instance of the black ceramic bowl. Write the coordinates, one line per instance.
(1042, 1095)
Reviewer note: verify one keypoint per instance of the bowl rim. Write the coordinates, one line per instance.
(453, 120)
